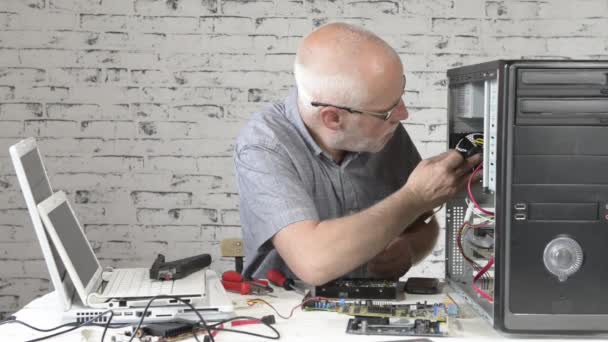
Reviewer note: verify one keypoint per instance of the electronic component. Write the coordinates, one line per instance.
(369, 308)
(169, 329)
(478, 238)
(360, 289)
(179, 268)
(385, 318)
(418, 285)
(395, 326)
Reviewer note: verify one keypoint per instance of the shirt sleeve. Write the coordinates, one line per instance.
(271, 194)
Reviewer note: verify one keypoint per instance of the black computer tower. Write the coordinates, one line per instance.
(537, 223)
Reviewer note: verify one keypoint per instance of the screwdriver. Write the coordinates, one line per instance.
(278, 278)
(234, 281)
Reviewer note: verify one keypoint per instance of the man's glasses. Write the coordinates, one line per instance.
(384, 115)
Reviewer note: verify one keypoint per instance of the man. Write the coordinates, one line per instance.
(329, 181)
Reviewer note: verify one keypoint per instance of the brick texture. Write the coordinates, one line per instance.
(136, 103)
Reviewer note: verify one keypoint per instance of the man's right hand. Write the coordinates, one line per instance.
(437, 179)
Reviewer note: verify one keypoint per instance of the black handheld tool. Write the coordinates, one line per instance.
(177, 269)
(470, 145)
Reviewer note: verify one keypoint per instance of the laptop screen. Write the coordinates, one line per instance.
(75, 243)
(41, 190)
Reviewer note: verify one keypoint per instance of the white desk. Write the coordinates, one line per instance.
(302, 326)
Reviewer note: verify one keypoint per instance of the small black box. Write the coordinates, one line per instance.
(360, 289)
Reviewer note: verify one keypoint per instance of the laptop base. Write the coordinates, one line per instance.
(218, 307)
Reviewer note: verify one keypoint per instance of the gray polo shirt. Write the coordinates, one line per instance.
(284, 177)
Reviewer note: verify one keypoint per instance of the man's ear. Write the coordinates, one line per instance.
(331, 118)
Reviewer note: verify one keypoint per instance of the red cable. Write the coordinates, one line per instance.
(245, 322)
(477, 169)
(473, 264)
(215, 332)
(479, 275)
(485, 269)
(292, 310)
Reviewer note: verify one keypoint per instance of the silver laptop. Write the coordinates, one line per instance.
(77, 275)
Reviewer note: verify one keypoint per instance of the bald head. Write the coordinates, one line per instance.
(344, 64)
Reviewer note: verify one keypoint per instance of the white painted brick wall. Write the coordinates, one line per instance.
(136, 103)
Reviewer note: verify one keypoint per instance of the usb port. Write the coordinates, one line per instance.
(520, 206)
(118, 314)
(520, 217)
(128, 314)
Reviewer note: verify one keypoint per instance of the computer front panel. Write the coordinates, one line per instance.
(526, 244)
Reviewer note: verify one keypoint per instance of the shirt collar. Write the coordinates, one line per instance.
(293, 115)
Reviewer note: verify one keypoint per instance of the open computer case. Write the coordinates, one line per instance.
(528, 244)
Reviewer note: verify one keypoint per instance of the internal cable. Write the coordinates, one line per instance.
(466, 146)
(476, 212)
(482, 272)
(470, 193)
(240, 320)
(476, 267)
(259, 300)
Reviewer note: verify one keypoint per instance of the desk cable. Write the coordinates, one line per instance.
(210, 329)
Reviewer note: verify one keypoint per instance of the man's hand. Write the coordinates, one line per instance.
(437, 179)
(394, 261)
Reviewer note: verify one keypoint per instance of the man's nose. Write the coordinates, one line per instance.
(401, 111)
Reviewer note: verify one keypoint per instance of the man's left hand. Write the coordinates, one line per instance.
(394, 261)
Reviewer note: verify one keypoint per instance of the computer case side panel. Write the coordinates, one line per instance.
(500, 244)
(469, 106)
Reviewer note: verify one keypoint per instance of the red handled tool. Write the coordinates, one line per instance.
(279, 279)
(234, 281)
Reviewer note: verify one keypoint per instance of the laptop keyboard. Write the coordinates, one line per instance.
(136, 283)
